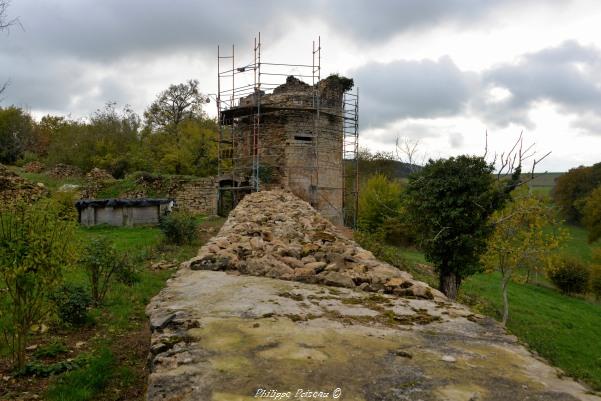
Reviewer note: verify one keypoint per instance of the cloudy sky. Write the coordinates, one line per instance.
(441, 71)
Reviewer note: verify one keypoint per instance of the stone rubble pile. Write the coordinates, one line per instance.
(34, 167)
(64, 171)
(14, 188)
(275, 234)
(96, 180)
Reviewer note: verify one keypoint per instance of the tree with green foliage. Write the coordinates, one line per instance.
(175, 105)
(574, 186)
(379, 200)
(16, 128)
(591, 214)
(519, 240)
(36, 244)
(449, 202)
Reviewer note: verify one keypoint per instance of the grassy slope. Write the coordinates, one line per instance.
(565, 330)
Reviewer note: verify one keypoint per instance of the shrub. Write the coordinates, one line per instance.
(35, 246)
(128, 274)
(179, 227)
(72, 304)
(101, 261)
(378, 201)
(51, 350)
(570, 275)
(65, 201)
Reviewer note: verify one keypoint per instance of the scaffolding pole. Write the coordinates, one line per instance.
(242, 116)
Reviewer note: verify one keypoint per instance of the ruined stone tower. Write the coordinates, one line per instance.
(292, 138)
(300, 135)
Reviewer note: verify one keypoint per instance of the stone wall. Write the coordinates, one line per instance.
(193, 194)
(197, 195)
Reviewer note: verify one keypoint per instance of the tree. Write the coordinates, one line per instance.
(105, 141)
(591, 214)
(5, 23)
(174, 105)
(519, 240)
(35, 246)
(574, 186)
(16, 127)
(449, 202)
(378, 201)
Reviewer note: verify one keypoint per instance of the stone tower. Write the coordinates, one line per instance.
(291, 138)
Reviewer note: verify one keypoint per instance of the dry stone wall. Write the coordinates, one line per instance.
(278, 235)
(197, 196)
(193, 194)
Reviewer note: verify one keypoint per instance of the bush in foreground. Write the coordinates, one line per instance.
(35, 246)
(101, 262)
(72, 303)
(179, 227)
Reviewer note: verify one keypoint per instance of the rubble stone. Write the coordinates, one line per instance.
(278, 235)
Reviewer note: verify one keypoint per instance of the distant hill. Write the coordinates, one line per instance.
(390, 168)
(400, 170)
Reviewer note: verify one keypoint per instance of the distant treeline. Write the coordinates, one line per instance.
(174, 137)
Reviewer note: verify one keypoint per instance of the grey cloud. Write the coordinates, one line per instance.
(371, 20)
(110, 29)
(566, 75)
(412, 89)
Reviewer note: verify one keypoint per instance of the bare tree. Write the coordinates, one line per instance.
(5, 24)
(511, 163)
(407, 152)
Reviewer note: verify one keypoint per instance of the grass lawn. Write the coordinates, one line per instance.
(50, 182)
(577, 245)
(115, 341)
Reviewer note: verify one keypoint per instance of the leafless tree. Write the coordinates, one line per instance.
(514, 161)
(407, 152)
(5, 24)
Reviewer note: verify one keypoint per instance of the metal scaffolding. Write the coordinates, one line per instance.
(243, 119)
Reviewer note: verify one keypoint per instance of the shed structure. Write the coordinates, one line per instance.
(122, 212)
(297, 135)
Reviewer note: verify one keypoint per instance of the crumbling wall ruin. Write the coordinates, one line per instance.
(16, 189)
(193, 194)
(278, 235)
